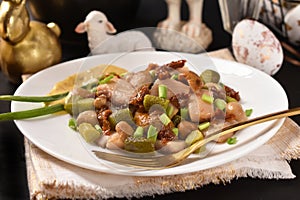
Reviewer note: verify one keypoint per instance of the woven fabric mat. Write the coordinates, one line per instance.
(49, 177)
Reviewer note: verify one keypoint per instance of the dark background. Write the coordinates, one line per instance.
(13, 182)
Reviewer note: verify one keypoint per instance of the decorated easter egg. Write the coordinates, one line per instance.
(255, 45)
(292, 24)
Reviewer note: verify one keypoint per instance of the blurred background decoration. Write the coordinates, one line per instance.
(68, 13)
(26, 46)
(283, 16)
(233, 11)
(191, 35)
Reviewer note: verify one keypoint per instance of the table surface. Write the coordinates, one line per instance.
(13, 181)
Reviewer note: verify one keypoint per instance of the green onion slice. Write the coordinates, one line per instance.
(139, 131)
(164, 119)
(207, 98)
(162, 91)
(248, 112)
(203, 125)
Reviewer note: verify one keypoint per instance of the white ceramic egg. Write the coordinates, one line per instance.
(292, 22)
(255, 45)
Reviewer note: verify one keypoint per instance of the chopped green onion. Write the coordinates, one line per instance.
(221, 104)
(106, 79)
(139, 131)
(98, 128)
(193, 137)
(170, 110)
(164, 119)
(72, 124)
(230, 99)
(203, 125)
(184, 113)
(207, 98)
(232, 140)
(175, 131)
(162, 91)
(152, 133)
(248, 112)
(88, 132)
(121, 115)
(174, 76)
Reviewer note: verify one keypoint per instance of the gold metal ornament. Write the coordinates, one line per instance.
(26, 46)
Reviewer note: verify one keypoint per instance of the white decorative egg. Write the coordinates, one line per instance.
(292, 24)
(255, 45)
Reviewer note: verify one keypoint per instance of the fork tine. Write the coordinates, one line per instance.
(149, 163)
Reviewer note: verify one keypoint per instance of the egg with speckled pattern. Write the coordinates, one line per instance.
(292, 23)
(255, 45)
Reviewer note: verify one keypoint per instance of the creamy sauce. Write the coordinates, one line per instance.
(78, 79)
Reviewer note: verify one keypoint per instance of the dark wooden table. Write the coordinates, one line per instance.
(13, 181)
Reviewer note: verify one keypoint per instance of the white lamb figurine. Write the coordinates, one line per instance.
(101, 40)
(193, 27)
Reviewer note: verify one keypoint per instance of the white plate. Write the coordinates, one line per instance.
(52, 134)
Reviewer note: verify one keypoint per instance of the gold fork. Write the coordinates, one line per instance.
(170, 160)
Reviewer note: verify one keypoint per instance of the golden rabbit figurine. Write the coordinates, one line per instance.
(26, 46)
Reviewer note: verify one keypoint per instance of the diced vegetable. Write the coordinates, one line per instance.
(175, 131)
(171, 110)
(193, 137)
(162, 91)
(150, 100)
(230, 99)
(75, 105)
(210, 76)
(98, 128)
(232, 140)
(203, 126)
(184, 113)
(174, 76)
(221, 104)
(85, 104)
(73, 124)
(88, 132)
(139, 132)
(152, 133)
(248, 112)
(139, 145)
(207, 98)
(121, 115)
(164, 119)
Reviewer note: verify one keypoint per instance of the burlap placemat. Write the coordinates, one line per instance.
(49, 177)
